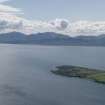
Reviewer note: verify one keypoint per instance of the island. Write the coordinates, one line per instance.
(80, 72)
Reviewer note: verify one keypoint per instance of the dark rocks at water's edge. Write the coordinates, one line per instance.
(81, 72)
(51, 38)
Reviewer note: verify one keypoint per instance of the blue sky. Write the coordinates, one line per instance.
(69, 9)
(70, 17)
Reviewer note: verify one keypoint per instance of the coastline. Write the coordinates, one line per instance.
(81, 72)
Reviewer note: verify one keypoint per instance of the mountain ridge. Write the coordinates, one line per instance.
(51, 38)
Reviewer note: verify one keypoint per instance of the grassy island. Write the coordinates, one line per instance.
(81, 72)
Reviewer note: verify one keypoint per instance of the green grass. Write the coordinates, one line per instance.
(98, 77)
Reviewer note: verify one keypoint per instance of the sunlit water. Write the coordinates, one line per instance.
(25, 77)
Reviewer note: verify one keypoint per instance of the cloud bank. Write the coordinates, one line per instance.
(11, 21)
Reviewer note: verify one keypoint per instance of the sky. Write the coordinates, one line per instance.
(69, 9)
(70, 17)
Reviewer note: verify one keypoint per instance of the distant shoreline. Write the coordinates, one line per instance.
(48, 45)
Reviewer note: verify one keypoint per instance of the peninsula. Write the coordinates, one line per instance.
(81, 72)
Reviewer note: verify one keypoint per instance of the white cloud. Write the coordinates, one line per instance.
(10, 21)
(60, 24)
(5, 8)
(88, 27)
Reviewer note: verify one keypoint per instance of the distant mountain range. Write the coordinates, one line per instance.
(50, 38)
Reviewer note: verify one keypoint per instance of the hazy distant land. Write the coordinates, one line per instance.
(51, 38)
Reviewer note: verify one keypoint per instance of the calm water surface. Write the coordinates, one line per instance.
(25, 77)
